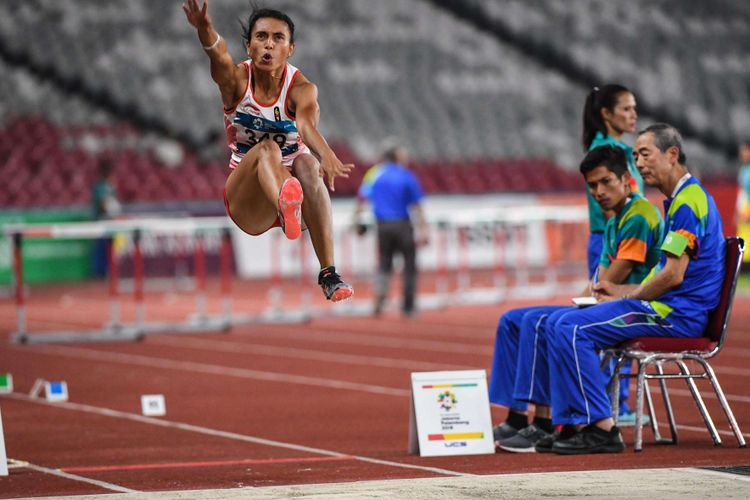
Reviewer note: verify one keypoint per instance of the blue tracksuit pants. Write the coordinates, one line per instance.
(578, 386)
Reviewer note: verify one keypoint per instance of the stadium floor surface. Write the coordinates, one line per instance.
(307, 409)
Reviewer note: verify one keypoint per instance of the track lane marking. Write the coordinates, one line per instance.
(195, 367)
(290, 352)
(322, 334)
(192, 366)
(85, 408)
(76, 477)
(213, 463)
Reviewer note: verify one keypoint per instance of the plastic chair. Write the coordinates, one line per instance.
(656, 351)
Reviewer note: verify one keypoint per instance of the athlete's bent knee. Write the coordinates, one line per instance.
(306, 169)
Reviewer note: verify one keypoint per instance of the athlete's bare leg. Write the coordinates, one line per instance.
(253, 188)
(316, 207)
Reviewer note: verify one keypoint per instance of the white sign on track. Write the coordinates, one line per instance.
(450, 414)
(153, 405)
(3, 456)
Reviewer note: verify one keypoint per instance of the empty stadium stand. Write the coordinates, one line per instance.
(127, 82)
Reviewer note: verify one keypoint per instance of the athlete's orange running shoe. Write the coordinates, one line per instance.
(290, 208)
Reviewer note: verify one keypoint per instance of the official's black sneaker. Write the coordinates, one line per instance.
(333, 286)
(590, 439)
(503, 431)
(544, 445)
(525, 440)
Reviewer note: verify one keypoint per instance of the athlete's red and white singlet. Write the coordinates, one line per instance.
(250, 121)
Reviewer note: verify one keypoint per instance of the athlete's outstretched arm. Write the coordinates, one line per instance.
(305, 97)
(223, 70)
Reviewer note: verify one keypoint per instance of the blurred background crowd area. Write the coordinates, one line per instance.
(486, 94)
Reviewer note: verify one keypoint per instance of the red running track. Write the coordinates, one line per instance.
(269, 405)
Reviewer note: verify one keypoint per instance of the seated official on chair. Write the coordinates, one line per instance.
(674, 300)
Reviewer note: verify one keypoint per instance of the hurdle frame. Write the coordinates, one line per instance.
(509, 228)
(114, 329)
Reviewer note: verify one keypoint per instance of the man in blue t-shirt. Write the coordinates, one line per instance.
(674, 300)
(395, 194)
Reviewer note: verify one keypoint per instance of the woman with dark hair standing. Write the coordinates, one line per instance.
(279, 156)
(609, 113)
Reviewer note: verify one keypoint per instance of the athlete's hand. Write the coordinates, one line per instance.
(196, 15)
(332, 167)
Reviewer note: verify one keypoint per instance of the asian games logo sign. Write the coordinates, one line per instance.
(447, 400)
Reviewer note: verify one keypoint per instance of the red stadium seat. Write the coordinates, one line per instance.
(652, 351)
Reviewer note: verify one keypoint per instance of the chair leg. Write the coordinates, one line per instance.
(701, 405)
(652, 412)
(639, 389)
(723, 401)
(667, 406)
(614, 385)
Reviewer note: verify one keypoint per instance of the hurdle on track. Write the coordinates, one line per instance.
(277, 312)
(514, 241)
(507, 235)
(115, 329)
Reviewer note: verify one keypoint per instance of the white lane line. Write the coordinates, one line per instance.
(702, 430)
(107, 412)
(424, 329)
(730, 370)
(290, 352)
(192, 366)
(76, 477)
(734, 398)
(313, 334)
(735, 351)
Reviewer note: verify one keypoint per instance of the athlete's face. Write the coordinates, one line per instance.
(270, 45)
(610, 191)
(623, 117)
(654, 165)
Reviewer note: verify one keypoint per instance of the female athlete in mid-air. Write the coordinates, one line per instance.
(279, 157)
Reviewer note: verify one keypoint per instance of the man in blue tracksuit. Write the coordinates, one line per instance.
(674, 300)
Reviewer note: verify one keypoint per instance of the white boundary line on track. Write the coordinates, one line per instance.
(223, 434)
(76, 477)
(734, 398)
(196, 367)
(267, 350)
(423, 328)
(730, 370)
(322, 334)
(290, 352)
(154, 362)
